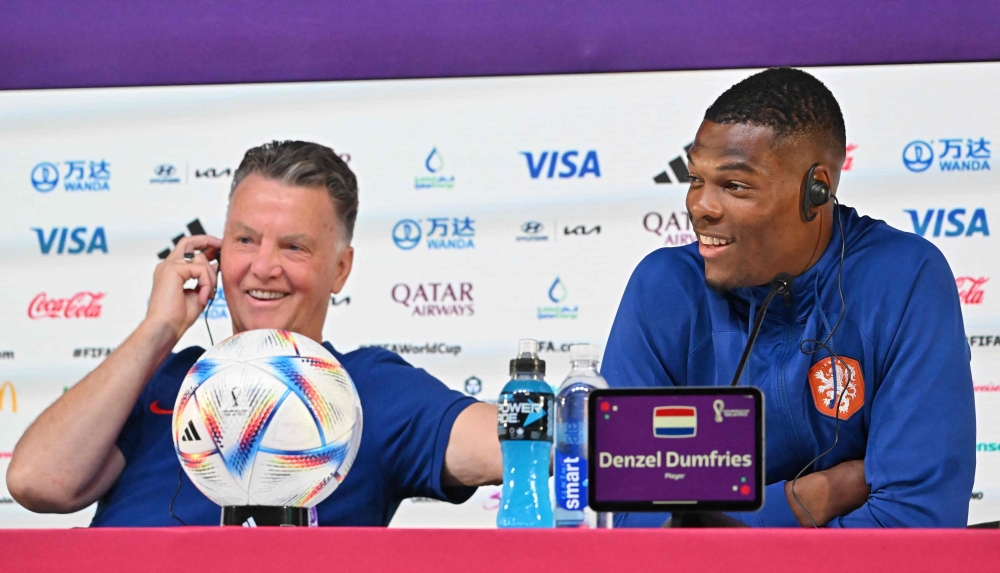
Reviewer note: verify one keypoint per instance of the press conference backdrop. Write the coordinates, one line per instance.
(492, 209)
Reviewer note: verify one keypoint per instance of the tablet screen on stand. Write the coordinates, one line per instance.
(676, 449)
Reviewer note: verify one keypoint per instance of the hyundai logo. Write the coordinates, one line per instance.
(532, 227)
(164, 170)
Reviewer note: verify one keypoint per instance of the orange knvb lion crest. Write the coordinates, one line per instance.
(821, 382)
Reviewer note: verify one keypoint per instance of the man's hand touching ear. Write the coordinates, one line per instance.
(170, 304)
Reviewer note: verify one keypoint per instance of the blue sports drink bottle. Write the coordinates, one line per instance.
(524, 426)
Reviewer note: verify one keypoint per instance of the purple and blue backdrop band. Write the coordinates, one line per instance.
(57, 44)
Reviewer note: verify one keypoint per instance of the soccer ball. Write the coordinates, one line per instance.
(267, 417)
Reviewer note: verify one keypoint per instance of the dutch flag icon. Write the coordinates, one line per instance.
(675, 422)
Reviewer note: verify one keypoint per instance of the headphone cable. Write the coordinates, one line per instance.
(835, 358)
(180, 480)
(208, 307)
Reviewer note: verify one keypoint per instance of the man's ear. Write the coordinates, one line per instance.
(344, 264)
(822, 175)
(830, 165)
(833, 174)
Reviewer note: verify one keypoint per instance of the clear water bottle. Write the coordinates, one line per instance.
(571, 435)
(524, 426)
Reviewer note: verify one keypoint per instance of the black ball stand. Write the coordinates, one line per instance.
(267, 515)
(702, 519)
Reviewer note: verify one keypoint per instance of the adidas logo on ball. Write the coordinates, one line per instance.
(190, 433)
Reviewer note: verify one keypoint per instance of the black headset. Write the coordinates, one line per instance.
(814, 194)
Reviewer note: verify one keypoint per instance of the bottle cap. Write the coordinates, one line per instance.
(527, 361)
(583, 352)
(526, 348)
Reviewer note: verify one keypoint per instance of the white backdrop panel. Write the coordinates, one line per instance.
(451, 152)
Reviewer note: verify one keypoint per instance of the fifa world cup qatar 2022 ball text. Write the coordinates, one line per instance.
(268, 418)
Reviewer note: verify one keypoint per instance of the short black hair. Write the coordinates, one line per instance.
(789, 101)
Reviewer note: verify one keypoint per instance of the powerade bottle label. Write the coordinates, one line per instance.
(524, 416)
(571, 467)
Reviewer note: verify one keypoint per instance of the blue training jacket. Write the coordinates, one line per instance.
(910, 413)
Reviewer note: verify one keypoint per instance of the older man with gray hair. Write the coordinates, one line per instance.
(285, 249)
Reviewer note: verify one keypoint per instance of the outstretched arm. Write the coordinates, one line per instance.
(473, 454)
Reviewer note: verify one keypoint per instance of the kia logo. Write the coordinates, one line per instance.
(582, 230)
(212, 172)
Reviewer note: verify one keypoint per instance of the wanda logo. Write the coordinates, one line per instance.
(970, 289)
(83, 304)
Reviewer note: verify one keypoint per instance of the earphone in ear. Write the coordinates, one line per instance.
(814, 194)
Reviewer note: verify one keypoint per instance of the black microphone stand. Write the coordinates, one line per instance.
(780, 284)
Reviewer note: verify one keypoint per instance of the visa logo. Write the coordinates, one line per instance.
(71, 241)
(565, 164)
(956, 222)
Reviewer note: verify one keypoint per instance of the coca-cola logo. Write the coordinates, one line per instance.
(970, 289)
(83, 304)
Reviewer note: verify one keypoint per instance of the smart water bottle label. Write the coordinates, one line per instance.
(524, 416)
(571, 479)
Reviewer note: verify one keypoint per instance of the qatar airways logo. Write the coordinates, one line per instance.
(83, 304)
(970, 289)
(435, 299)
(674, 227)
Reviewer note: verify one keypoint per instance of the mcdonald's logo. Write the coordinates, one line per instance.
(13, 395)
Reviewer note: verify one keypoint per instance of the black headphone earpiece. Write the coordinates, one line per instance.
(814, 194)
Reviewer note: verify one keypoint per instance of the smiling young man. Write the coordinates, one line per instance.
(906, 449)
(285, 249)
